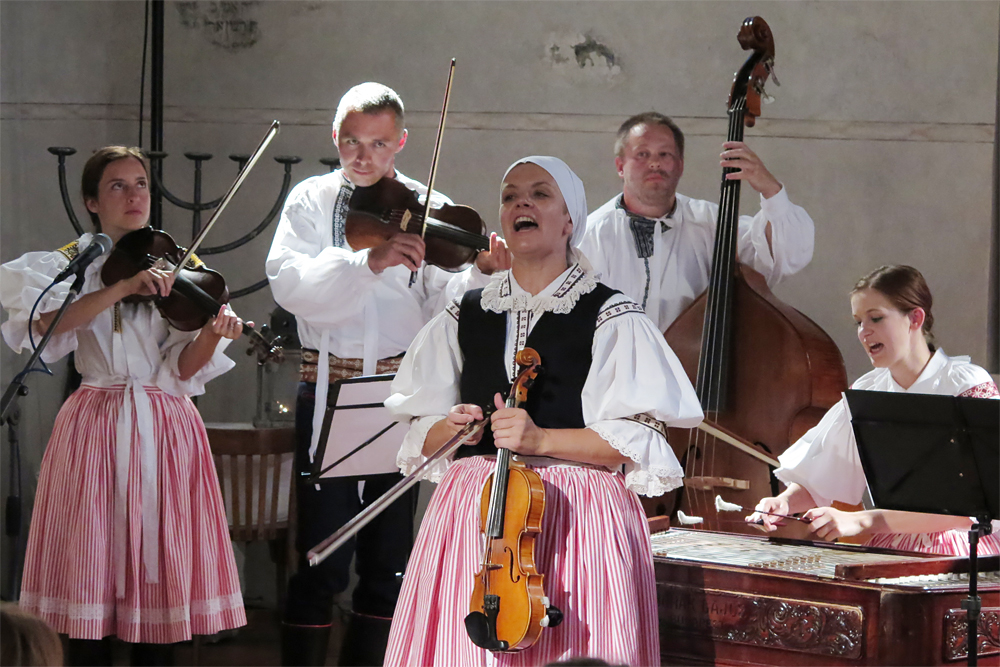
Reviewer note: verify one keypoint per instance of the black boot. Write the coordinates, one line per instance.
(365, 639)
(304, 644)
(89, 652)
(152, 655)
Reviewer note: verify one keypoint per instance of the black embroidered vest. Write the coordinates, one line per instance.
(564, 342)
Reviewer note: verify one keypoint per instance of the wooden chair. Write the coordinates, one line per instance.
(255, 467)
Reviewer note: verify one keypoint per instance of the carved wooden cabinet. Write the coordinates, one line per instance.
(731, 599)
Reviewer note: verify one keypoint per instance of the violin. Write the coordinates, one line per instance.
(454, 234)
(198, 292)
(509, 609)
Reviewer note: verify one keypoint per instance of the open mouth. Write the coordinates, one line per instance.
(875, 348)
(524, 222)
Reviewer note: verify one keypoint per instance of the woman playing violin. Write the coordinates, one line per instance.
(129, 536)
(892, 309)
(593, 427)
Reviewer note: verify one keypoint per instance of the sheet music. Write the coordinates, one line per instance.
(357, 416)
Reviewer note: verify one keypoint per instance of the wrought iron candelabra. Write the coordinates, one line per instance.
(197, 205)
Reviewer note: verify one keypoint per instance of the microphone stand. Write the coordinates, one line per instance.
(17, 386)
(9, 415)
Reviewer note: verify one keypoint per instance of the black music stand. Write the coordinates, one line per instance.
(937, 455)
(366, 435)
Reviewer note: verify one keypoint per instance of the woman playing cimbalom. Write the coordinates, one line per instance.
(128, 536)
(593, 429)
(892, 308)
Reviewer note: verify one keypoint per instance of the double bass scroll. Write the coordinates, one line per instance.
(764, 372)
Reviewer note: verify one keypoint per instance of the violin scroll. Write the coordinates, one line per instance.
(530, 364)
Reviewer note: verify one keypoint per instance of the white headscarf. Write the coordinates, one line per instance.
(569, 185)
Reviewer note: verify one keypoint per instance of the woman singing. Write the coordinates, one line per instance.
(892, 308)
(593, 428)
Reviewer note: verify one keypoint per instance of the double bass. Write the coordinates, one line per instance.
(764, 372)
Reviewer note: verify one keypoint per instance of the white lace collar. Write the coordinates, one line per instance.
(503, 294)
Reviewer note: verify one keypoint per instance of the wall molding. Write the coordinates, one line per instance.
(501, 121)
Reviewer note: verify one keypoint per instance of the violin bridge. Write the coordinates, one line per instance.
(709, 483)
(405, 220)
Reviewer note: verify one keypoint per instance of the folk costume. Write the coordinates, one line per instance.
(664, 264)
(350, 321)
(129, 535)
(825, 460)
(606, 368)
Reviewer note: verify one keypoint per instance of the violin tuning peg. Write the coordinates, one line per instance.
(765, 98)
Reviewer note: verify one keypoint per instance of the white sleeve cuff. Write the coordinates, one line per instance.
(411, 455)
(653, 468)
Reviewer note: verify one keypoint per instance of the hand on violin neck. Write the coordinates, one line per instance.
(497, 258)
(749, 168)
(402, 249)
(199, 351)
(149, 282)
(226, 324)
(514, 429)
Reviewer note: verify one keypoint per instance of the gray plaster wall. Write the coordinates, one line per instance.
(882, 128)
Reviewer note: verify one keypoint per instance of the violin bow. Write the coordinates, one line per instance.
(271, 132)
(434, 159)
(322, 551)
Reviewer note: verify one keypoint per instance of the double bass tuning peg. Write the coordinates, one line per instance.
(769, 64)
(764, 97)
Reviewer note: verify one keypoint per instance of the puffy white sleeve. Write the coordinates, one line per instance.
(426, 387)
(792, 237)
(964, 378)
(635, 389)
(309, 277)
(825, 460)
(22, 281)
(168, 377)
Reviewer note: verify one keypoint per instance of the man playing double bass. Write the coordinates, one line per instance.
(356, 312)
(656, 245)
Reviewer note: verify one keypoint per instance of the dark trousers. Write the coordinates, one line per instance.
(383, 546)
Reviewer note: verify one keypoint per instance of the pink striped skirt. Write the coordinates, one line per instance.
(595, 554)
(69, 571)
(946, 543)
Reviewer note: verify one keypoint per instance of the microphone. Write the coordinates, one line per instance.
(100, 244)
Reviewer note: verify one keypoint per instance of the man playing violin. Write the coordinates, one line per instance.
(656, 245)
(356, 313)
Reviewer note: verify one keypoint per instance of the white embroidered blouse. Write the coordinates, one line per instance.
(140, 346)
(825, 460)
(129, 345)
(635, 386)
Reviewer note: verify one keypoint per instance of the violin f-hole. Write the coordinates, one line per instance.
(511, 569)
